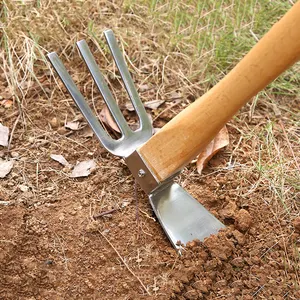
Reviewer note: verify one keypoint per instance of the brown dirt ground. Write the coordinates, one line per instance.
(51, 247)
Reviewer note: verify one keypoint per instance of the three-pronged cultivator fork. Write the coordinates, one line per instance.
(129, 140)
(182, 217)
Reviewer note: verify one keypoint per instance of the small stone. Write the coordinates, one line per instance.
(296, 224)
(31, 140)
(229, 210)
(125, 203)
(243, 220)
(23, 188)
(239, 237)
(62, 130)
(14, 154)
(49, 262)
(108, 216)
(54, 122)
(106, 231)
(122, 225)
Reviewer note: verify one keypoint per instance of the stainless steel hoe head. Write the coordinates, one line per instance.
(182, 217)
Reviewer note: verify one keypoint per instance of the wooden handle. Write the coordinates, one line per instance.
(181, 140)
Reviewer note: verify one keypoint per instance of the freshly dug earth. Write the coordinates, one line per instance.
(55, 244)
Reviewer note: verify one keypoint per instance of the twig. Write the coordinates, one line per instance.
(5, 203)
(119, 255)
(12, 132)
(104, 213)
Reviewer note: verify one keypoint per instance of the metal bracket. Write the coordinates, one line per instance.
(142, 172)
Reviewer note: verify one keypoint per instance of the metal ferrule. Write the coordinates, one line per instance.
(143, 174)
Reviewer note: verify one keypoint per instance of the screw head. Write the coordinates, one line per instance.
(141, 173)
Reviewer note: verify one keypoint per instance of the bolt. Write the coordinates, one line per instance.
(141, 173)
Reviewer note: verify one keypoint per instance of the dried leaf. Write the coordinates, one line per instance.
(4, 132)
(107, 118)
(59, 158)
(129, 106)
(154, 104)
(72, 125)
(5, 167)
(87, 132)
(83, 169)
(175, 95)
(144, 88)
(221, 140)
(6, 103)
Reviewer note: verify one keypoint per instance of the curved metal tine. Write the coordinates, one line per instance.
(65, 77)
(103, 88)
(145, 124)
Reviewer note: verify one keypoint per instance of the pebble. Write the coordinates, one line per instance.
(106, 231)
(54, 122)
(62, 130)
(23, 188)
(14, 154)
(239, 237)
(243, 220)
(229, 210)
(31, 140)
(122, 225)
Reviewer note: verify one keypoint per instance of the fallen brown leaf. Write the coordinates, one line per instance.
(221, 140)
(154, 104)
(59, 158)
(83, 169)
(107, 118)
(4, 133)
(72, 125)
(5, 167)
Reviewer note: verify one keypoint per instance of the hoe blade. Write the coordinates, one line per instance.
(182, 217)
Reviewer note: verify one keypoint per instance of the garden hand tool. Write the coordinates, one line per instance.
(155, 160)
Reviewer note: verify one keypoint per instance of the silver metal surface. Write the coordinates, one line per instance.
(181, 216)
(130, 140)
(141, 172)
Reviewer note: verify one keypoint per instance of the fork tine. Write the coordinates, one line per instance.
(59, 67)
(145, 123)
(102, 86)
